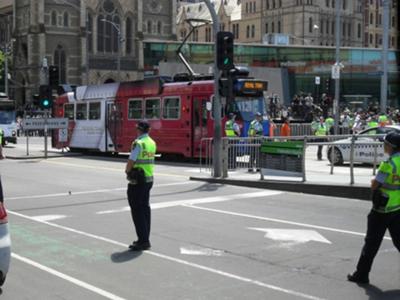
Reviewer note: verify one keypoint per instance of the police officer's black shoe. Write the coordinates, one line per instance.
(133, 244)
(358, 278)
(140, 246)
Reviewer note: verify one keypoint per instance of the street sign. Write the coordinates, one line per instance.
(336, 71)
(317, 80)
(39, 123)
(63, 135)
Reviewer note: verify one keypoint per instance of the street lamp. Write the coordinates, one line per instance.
(120, 40)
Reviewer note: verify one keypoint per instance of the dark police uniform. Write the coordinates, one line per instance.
(385, 213)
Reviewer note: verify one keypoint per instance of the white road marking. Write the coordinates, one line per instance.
(197, 201)
(49, 217)
(296, 236)
(72, 193)
(73, 280)
(279, 221)
(177, 260)
(201, 251)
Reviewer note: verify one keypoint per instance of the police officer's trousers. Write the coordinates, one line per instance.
(139, 201)
(377, 225)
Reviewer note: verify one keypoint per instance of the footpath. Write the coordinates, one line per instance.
(319, 181)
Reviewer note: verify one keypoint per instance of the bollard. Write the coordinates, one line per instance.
(304, 158)
(225, 158)
(332, 158)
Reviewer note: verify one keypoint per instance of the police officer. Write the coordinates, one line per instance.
(320, 129)
(385, 213)
(232, 129)
(255, 130)
(139, 170)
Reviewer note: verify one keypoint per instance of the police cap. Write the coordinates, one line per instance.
(392, 139)
(143, 126)
(258, 114)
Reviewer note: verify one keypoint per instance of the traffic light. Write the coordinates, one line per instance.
(54, 79)
(225, 50)
(226, 87)
(45, 97)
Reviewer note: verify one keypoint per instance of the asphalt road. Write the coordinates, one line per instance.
(70, 228)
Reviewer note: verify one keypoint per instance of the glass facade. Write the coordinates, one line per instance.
(360, 76)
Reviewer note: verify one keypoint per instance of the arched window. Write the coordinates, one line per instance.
(108, 28)
(66, 19)
(60, 62)
(279, 26)
(54, 18)
(359, 30)
(149, 27)
(310, 25)
(128, 35)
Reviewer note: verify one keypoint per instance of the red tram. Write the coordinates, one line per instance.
(103, 117)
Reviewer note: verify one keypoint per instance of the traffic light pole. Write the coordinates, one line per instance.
(217, 149)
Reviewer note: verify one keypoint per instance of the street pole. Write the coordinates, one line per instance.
(119, 55)
(6, 70)
(336, 107)
(385, 46)
(217, 149)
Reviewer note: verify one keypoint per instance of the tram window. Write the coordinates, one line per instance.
(135, 109)
(152, 108)
(81, 111)
(69, 111)
(94, 111)
(171, 108)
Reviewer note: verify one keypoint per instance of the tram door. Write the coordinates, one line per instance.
(199, 124)
(113, 126)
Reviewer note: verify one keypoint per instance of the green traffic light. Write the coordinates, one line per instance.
(226, 61)
(46, 103)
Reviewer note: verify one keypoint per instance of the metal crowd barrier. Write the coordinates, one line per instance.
(304, 129)
(244, 153)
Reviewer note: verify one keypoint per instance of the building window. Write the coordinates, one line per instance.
(54, 18)
(327, 27)
(89, 32)
(273, 4)
(66, 19)
(128, 35)
(359, 30)
(247, 7)
(327, 3)
(107, 31)
(333, 27)
(253, 31)
(267, 4)
(273, 27)
(344, 4)
(159, 27)
(310, 25)
(371, 19)
(349, 29)
(60, 61)
(248, 31)
(393, 22)
(266, 27)
(149, 27)
(371, 38)
(279, 26)
(344, 29)
(280, 3)
(255, 7)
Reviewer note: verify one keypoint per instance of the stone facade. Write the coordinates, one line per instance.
(302, 22)
(91, 41)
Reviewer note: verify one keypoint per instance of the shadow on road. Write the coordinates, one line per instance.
(124, 256)
(376, 293)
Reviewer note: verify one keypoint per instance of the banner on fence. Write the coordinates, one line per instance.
(281, 158)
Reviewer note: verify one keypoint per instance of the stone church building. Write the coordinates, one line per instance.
(90, 41)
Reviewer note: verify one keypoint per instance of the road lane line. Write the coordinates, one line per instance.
(121, 170)
(197, 201)
(63, 276)
(92, 192)
(176, 260)
(278, 220)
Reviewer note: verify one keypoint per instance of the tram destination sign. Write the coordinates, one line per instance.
(39, 123)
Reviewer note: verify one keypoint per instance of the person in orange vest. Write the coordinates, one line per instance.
(285, 129)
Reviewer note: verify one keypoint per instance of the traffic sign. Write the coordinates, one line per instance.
(317, 80)
(39, 123)
(336, 71)
(63, 135)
